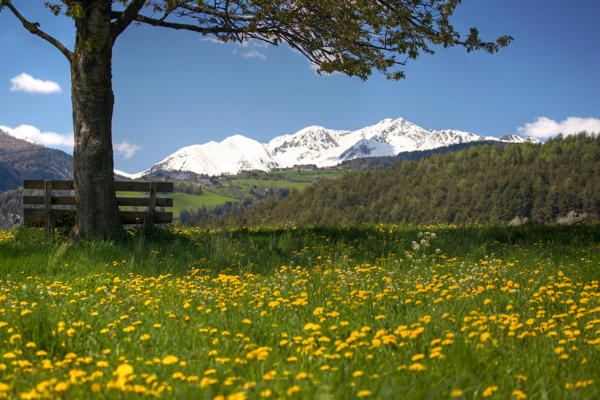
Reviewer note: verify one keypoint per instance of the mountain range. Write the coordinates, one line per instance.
(313, 145)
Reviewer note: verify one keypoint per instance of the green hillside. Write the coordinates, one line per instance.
(183, 201)
(482, 184)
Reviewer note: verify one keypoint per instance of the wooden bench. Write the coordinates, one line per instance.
(41, 210)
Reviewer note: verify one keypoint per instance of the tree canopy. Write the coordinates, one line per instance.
(352, 37)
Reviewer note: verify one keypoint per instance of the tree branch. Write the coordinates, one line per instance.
(126, 17)
(216, 13)
(34, 28)
(199, 29)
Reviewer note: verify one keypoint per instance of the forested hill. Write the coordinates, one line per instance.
(20, 160)
(480, 184)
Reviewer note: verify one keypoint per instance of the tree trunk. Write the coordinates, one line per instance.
(92, 97)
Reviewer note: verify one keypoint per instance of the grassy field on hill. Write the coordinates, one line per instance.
(293, 180)
(303, 313)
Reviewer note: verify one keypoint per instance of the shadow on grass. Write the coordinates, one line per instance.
(177, 249)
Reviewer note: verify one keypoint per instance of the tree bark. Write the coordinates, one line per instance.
(93, 100)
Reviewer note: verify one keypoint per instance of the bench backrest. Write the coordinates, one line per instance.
(58, 199)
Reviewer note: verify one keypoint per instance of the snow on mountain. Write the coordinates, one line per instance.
(519, 139)
(127, 174)
(232, 155)
(313, 145)
(325, 147)
(368, 148)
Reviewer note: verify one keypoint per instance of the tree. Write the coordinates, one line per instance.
(352, 37)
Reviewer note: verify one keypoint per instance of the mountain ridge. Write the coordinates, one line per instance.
(313, 145)
(21, 159)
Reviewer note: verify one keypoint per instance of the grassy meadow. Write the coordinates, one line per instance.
(373, 312)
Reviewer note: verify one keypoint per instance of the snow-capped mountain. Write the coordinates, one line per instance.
(313, 145)
(232, 155)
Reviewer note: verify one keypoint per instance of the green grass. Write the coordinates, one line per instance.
(208, 198)
(304, 313)
(186, 201)
(248, 183)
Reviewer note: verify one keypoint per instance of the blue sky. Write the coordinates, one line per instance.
(175, 88)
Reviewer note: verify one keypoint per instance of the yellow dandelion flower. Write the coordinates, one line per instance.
(170, 359)
(206, 381)
(61, 386)
(417, 367)
(237, 396)
(292, 390)
(123, 370)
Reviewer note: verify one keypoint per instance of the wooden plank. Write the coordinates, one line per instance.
(122, 201)
(144, 201)
(161, 187)
(54, 200)
(35, 216)
(120, 186)
(137, 217)
(56, 185)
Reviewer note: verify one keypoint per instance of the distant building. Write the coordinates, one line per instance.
(304, 167)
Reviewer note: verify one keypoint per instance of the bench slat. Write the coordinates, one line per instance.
(144, 201)
(161, 187)
(120, 186)
(56, 185)
(55, 201)
(122, 201)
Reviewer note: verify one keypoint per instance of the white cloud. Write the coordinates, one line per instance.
(253, 54)
(246, 48)
(213, 40)
(253, 43)
(66, 140)
(34, 135)
(28, 84)
(126, 149)
(544, 127)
